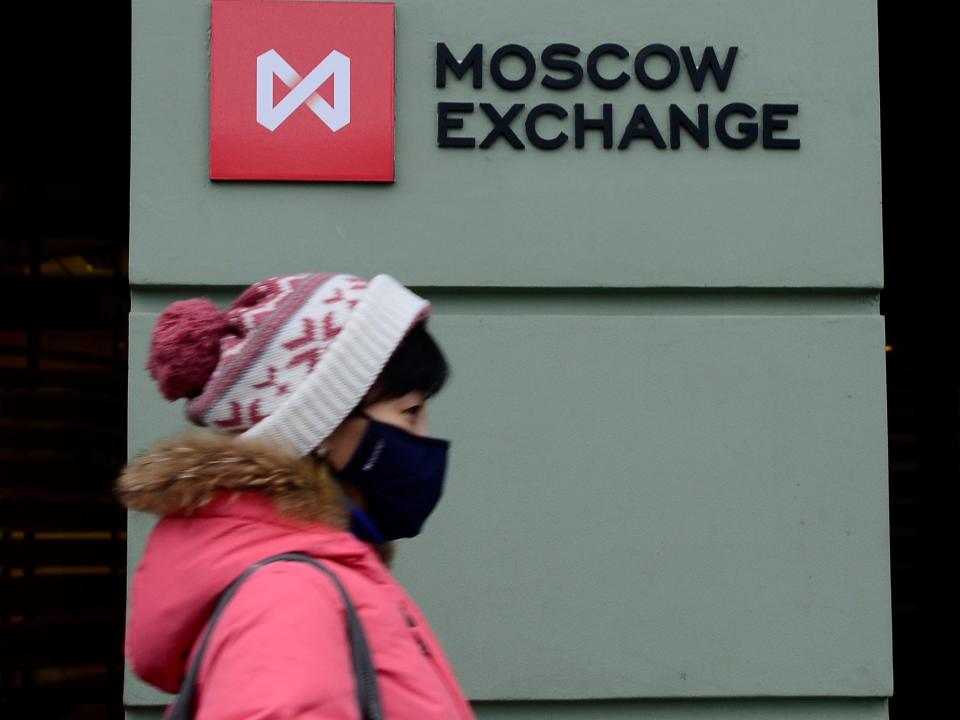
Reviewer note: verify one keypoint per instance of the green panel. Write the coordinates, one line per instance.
(763, 709)
(649, 506)
(676, 494)
(503, 217)
(661, 506)
(587, 301)
(759, 709)
(136, 692)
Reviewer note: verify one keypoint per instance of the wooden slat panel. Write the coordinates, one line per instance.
(49, 644)
(89, 440)
(55, 594)
(53, 303)
(62, 514)
(59, 475)
(68, 406)
(112, 381)
(33, 553)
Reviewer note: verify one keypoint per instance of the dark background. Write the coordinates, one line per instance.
(64, 210)
(64, 219)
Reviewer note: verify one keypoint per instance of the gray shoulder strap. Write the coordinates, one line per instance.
(368, 693)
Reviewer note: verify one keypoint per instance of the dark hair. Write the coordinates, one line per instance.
(416, 364)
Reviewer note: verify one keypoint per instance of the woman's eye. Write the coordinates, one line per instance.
(414, 410)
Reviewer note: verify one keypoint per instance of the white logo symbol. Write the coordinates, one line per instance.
(303, 90)
(374, 456)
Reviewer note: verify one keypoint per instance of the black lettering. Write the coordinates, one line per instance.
(709, 63)
(749, 129)
(549, 59)
(473, 61)
(641, 71)
(581, 125)
(595, 77)
(699, 131)
(445, 123)
(531, 126)
(501, 125)
(770, 123)
(530, 67)
(641, 127)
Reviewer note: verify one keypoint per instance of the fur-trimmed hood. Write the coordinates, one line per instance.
(224, 505)
(184, 473)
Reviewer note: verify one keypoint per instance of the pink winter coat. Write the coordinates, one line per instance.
(279, 649)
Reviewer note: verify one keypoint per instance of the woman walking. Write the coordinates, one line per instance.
(318, 456)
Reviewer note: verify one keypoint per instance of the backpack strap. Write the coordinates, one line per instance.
(368, 693)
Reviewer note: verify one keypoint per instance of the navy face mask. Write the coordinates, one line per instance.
(400, 476)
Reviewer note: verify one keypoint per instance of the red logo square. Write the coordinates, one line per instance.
(301, 90)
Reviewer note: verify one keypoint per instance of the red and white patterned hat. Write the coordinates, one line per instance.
(289, 359)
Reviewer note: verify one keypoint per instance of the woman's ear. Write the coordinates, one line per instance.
(340, 445)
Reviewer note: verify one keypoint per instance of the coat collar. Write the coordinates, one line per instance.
(187, 472)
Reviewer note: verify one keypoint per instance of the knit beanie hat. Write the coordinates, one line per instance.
(289, 359)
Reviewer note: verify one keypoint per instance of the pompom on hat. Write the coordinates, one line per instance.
(289, 359)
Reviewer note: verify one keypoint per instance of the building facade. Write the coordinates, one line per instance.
(658, 289)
